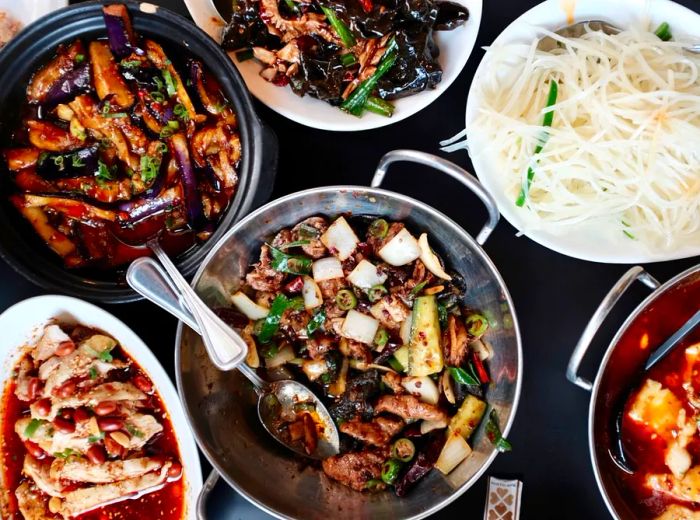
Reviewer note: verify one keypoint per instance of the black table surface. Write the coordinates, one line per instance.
(554, 295)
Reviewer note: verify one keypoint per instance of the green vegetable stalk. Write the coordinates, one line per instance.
(356, 102)
(342, 30)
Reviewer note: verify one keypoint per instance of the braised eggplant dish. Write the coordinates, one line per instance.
(356, 54)
(118, 144)
(368, 317)
(660, 433)
(86, 435)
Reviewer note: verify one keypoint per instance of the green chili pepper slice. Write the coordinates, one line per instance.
(379, 228)
(403, 449)
(477, 324)
(381, 338)
(463, 377)
(376, 292)
(663, 31)
(390, 471)
(345, 300)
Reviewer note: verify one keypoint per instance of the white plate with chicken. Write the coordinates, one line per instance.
(85, 430)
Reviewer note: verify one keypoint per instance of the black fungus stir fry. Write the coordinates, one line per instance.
(117, 143)
(367, 315)
(353, 53)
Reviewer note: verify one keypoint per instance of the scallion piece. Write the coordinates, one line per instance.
(378, 228)
(477, 324)
(342, 30)
(355, 103)
(348, 60)
(663, 31)
(381, 338)
(315, 322)
(379, 106)
(546, 122)
(32, 427)
(170, 84)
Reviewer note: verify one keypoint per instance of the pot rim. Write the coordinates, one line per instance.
(458, 231)
(601, 372)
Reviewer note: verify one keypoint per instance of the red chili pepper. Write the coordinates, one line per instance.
(480, 369)
(367, 5)
(295, 286)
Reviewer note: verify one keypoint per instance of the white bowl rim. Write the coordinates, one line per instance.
(552, 14)
(44, 308)
(307, 110)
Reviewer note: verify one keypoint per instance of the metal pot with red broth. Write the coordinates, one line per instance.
(118, 143)
(86, 435)
(660, 409)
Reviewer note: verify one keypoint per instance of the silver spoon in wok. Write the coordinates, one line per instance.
(617, 451)
(277, 401)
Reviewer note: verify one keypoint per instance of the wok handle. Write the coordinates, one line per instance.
(625, 281)
(451, 169)
(204, 493)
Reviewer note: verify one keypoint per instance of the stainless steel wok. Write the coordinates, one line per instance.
(221, 406)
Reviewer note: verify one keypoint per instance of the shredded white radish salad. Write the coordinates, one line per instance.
(624, 142)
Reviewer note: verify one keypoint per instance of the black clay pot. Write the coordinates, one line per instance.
(35, 45)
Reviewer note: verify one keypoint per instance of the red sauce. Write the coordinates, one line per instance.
(668, 312)
(165, 504)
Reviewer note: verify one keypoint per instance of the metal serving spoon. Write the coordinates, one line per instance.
(276, 400)
(547, 43)
(618, 450)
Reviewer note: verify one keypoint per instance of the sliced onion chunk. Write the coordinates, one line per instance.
(400, 250)
(340, 239)
(248, 307)
(430, 259)
(359, 327)
(366, 275)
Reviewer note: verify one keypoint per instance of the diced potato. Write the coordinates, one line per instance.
(340, 239)
(468, 417)
(365, 275)
(400, 250)
(359, 327)
(425, 351)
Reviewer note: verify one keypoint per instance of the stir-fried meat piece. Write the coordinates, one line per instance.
(50, 340)
(282, 238)
(287, 29)
(52, 138)
(393, 381)
(390, 311)
(27, 386)
(109, 83)
(409, 407)
(318, 346)
(420, 275)
(686, 489)
(377, 243)
(294, 323)
(333, 311)
(86, 499)
(356, 350)
(49, 74)
(377, 432)
(303, 231)
(263, 277)
(455, 341)
(115, 391)
(42, 477)
(81, 470)
(330, 288)
(354, 469)
(32, 503)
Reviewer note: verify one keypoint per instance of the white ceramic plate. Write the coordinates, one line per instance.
(589, 241)
(26, 11)
(455, 48)
(23, 322)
